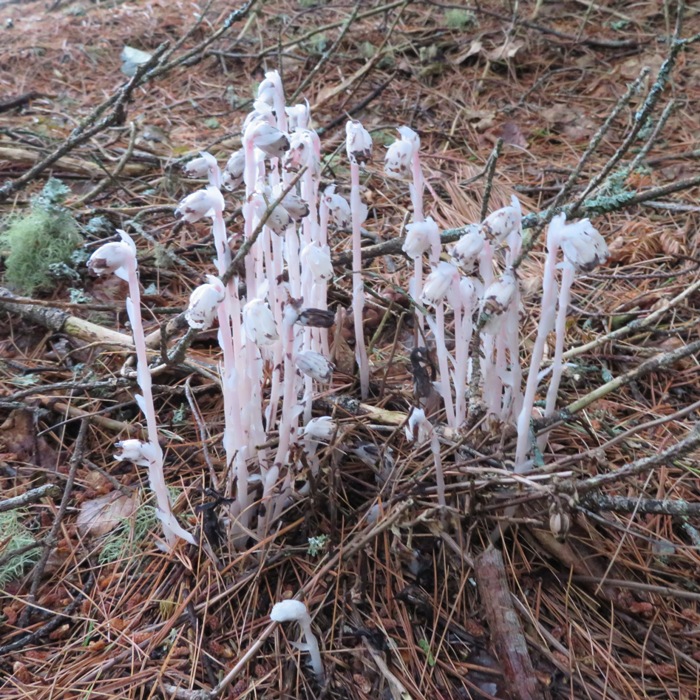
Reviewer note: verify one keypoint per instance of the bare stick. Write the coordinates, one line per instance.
(31, 496)
(504, 625)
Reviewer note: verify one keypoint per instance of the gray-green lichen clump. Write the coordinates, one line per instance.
(32, 243)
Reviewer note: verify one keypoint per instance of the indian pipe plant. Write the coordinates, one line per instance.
(274, 337)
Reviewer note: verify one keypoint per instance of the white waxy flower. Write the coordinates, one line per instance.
(468, 248)
(136, 451)
(319, 261)
(497, 298)
(204, 302)
(398, 159)
(419, 236)
(200, 204)
(320, 429)
(314, 365)
(583, 246)
(301, 151)
(358, 142)
(438, 283)
(269, 139)
(233, 172)
(338, 208)
(418, 427)
(204, 166)
(267, 89)
(296, 611)
(113, 257)
(289, 611)
(279, 220)
(502, 222)
(399, 156)
(298, 116)
(261, 112)
(259, 323)
(295, 205)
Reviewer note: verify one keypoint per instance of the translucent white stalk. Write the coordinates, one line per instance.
(358, 290)
(545, 325)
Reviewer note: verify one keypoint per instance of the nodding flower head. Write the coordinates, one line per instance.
(418, 427)
(583, 246)
(204, 302)
(338, 208)
(232, 177)
(468, 248)
(279, 218)
(438, 283)
(320, 429)
(399, 156)
(259, 323)
(298, 116)
(419, 237)
(204, 166)
(314, 365)
(301, 152)
(319, 261)
(502, 222)
(136, 451)
(267, 89)
(269, 139)
(294, 204)
(358, 142)
(497, 298)
(315, 318)
(113, 257)
(200, 204)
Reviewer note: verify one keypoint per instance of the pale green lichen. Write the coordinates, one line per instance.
(39, 243)
(15, 536)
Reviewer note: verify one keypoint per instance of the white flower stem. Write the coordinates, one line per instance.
(156, 477)
(547, 313)
(358, 292)
(567, 279)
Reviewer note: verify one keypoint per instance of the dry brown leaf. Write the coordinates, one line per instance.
(505, 52)
(100, 515)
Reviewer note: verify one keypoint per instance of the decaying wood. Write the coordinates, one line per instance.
(505, 627)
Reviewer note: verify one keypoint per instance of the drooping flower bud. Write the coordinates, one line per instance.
(136, 451)
(399, 156)
(204, 302)
(266, 90)
(314, 365)
(259, 323)
(497, 298)
(438, 283)
(319, 261)
(419, 236)
(583, 246)
(315, 318)
(338, 208)
(298, 116)
(502, 222)
(321, 429)
(301, 151)
(358, 142)
(269, 139)
(468, 248)
(204, 166)
(200, 204)
(113, 257)
(295, 205)
(418, 428)
(233, 172)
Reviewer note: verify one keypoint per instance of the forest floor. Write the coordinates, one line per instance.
(603, 573)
